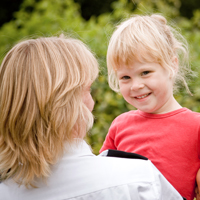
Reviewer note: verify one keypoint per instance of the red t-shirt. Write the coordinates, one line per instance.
(171, 141)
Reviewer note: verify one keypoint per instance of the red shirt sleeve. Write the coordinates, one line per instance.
(198, 144)
(109, 140)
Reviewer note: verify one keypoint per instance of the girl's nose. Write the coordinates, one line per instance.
(137, 85)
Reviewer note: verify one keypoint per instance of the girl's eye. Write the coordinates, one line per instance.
(125, 77)
(145, 73)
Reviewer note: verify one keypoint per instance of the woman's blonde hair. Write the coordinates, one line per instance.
(147, 39)
(41, 83)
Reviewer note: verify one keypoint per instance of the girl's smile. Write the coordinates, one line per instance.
(142, 96)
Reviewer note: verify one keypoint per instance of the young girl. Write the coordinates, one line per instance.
(145, 62)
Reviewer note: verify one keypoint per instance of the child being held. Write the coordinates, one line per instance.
(145, 61)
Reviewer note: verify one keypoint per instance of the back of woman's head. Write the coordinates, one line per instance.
(41, 82)
(147, 39)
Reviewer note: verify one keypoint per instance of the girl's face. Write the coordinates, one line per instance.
(148, 87)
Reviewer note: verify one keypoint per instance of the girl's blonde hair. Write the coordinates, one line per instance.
(41, 83)
(147, 39)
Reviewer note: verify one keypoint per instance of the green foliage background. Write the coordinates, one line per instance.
(50, 17)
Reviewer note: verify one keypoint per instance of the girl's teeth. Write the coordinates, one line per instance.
(142, 96)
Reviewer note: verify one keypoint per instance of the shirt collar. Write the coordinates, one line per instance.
(78, 148)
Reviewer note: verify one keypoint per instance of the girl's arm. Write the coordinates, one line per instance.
(108, 143)
(197, 190)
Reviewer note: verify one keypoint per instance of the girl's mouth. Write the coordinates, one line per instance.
(143, 96)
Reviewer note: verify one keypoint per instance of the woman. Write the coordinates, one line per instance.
(45, 112)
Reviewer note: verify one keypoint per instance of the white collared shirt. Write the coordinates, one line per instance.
(80, 175)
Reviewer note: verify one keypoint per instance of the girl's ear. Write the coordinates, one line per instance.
(175, 64)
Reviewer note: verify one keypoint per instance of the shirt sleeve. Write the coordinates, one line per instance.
(153, 186)
(198, 143)
(163, 188)
(109, 140)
